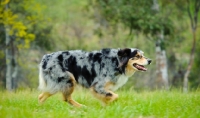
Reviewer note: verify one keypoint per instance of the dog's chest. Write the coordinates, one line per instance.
(122, 79)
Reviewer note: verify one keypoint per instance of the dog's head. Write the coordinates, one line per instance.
(132, 59)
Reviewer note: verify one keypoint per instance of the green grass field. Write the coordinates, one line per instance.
(157, 104)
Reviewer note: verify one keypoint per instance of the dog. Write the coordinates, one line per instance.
(103, 72)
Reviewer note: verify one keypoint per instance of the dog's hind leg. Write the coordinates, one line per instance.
(68, 98)
(103, 93)
(43, 96)
(67, 92)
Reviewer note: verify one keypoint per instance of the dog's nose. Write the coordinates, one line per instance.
(149, 61)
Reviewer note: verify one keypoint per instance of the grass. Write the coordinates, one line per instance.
(157, 104)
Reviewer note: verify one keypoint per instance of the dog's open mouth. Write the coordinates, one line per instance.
(140, 67)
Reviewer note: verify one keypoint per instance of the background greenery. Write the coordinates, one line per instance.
(75, 24)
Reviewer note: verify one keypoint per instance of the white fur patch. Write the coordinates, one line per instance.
(120, 82)
(122, 79)
(42, 84)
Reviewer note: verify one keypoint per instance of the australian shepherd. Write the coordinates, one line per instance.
(102, 71)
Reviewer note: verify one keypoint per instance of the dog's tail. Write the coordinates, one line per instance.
(42, 82)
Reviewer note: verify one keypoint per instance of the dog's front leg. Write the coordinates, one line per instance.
(101, 92)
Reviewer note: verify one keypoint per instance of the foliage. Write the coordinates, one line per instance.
(31, 13)
(16, 28)
(135, 15)
(130, 104)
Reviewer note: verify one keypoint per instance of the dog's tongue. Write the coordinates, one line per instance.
(141, 67)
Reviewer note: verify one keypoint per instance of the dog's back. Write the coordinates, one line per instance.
(85, 67)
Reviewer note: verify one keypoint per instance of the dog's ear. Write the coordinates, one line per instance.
(124, 52)
(123, 55)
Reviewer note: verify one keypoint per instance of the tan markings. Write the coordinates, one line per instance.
(68, 91)
(130, 70)
(43, 96)
(69, 99)
(108, 85)
(105, 98)
(141, 61)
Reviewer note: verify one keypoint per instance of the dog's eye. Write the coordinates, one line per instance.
(138, 56)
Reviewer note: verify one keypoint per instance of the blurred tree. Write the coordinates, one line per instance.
(145, 17)
(15, 37)
(20, 27)
(30, 13)
(194, 78)
(193, 7)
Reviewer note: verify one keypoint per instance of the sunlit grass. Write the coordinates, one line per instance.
(169, 104)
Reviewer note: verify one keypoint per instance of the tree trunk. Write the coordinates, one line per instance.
(185, 80)
(193, 20)
(11, 63)
(161, 59)
(8, 56)
(161, 65)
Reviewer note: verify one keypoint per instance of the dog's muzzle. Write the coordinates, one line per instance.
(149, 61)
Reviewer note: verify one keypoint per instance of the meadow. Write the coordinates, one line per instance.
(131, 104)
